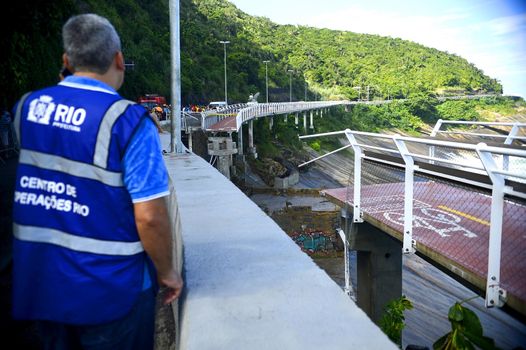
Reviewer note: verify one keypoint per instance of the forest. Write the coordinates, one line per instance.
(319, 63)
(303, 63)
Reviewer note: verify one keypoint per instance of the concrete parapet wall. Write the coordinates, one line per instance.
(248, 285)
(287, 181)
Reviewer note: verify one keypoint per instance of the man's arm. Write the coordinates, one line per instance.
(153, 225)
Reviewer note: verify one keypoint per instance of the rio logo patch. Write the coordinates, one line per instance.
(44, 111)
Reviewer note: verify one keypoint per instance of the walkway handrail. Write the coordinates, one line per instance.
(495, 295)
(266, 109)
(509, 138)
(210, 117)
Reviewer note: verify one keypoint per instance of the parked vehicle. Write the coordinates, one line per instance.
(216, 105)
(152, 100)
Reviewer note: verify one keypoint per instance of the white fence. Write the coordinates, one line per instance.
(485, 160)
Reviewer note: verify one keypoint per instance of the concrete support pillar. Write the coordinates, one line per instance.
(296, 118)
(190, 143)
(311, 120)
(271, 123)
(251, 147)
(305, 121)
(223, 148)
(223, 165)
(321, 113)
(240, 140)
(251, 134)
(285, 118)
(379, 266)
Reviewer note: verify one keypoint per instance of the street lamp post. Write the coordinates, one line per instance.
(176, 145)
(290, 84)
(266, 77)
(224, 46)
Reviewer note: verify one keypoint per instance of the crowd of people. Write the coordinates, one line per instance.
(194, 108)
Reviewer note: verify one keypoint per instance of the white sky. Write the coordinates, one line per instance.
(489, 33)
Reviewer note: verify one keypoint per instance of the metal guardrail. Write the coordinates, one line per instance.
(513, 133)
(245, 112)
(211, 117)
(468, 97)
(267, 109)
(485, 161)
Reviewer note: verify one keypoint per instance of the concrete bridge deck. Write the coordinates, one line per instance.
(450, 226)
(248, 285)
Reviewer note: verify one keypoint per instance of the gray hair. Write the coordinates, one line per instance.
(90, 42)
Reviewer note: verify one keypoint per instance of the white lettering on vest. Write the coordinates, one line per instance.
(69, 117)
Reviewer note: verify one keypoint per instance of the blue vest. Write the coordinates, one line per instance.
(77, 254)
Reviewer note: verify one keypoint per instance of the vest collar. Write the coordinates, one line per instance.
(87, 84)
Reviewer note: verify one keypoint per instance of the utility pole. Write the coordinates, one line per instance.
(225, 42)
(266, 77)
(176, 144)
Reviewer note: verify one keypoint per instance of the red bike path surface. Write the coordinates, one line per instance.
(450, 226)
(228, 124)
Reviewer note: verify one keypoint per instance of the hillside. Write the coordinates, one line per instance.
(331, 62)
(326, 63)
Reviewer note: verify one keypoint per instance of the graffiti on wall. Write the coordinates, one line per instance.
(314, 241)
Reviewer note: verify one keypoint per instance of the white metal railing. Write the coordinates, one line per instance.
(268, 109)
(495, 295)
(213, 116)
(513, 133)
(243, 111)
(508, 139)
(467, 97)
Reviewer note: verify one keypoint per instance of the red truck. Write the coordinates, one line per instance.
(152, 100)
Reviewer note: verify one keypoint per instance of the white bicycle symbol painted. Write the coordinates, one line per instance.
(435, 220)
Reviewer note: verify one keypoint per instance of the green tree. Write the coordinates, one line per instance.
(466, 331)
(392, 321)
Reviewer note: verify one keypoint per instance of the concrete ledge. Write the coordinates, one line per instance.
(287, 181)
(248, 285)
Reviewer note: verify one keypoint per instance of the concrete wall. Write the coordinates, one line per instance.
(287, 181)
(248, 285)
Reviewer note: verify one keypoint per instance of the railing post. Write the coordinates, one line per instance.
(347, 288)
(434, 133)
(495, 296)
(509, 140)
(408, 243)
(358, 155)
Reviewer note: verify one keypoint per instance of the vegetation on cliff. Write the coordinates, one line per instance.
(326, 63)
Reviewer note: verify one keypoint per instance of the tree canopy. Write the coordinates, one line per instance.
(326, 64)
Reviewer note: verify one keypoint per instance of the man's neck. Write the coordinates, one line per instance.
(105, 78)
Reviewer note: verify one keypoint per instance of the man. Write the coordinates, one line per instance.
(89, 208)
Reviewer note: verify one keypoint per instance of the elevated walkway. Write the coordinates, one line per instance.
(460, 205)
(248, 285)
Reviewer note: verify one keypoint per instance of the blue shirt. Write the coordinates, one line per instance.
(145, 175)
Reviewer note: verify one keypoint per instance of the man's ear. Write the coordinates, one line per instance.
(119, 61)
(65, 62)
